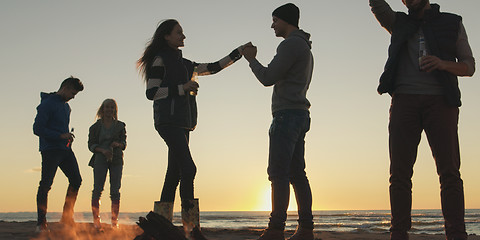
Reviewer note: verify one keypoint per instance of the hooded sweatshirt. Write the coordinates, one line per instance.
(290, 72)
(53, 117)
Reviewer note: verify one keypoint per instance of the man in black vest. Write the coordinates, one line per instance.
(428, 50)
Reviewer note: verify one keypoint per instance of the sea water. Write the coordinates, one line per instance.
(423, 221)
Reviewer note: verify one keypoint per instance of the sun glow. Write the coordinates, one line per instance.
(265, 199)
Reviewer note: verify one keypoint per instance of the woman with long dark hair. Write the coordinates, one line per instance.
(168, 78)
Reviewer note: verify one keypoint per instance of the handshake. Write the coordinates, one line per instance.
(249, 51)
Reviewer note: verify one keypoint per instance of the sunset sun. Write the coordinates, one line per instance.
(265, 199)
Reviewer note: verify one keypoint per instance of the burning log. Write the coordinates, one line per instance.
(157, 227)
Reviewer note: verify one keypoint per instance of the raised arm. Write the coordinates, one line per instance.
(384, 13)
(212, 68)
(278, 67)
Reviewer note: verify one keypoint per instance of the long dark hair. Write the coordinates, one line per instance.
(154, 45)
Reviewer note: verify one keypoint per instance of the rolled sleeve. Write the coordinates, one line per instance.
(464, 51)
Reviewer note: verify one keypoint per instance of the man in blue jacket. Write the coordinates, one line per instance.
(51, 126)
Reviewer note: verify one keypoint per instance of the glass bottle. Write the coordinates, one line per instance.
(194, 79)
(422, 50)
(69, 143)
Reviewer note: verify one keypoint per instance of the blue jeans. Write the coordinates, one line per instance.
(286, 165)
(100, 169)
(181, 168)
(66, 161)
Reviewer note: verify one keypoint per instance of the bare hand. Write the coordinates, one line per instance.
(116, 145)
(108, 154)
(68, 136)
(431, 63)
(241, 48)
(250, 52)
(191, 86)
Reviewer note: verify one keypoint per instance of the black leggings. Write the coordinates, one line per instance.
(181, 168)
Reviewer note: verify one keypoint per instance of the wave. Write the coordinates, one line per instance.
(423, 221)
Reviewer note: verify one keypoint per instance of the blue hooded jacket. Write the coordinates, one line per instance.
(52, 120)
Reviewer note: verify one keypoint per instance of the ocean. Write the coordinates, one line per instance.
(423, 221)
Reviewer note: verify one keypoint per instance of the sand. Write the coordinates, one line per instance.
(85, 231)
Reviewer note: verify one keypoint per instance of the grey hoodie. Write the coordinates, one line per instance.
(290, 72)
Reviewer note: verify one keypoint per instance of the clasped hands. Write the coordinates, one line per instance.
(249, 51)
(108, 153)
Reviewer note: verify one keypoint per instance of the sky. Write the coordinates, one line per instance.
(44, 42)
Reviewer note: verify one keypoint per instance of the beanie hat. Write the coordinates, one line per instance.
(288, 13)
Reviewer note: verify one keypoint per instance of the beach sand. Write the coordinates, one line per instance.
(85, 231)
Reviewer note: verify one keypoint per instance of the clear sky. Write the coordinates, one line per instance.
(44, 42)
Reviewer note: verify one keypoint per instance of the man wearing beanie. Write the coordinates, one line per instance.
(290, 72)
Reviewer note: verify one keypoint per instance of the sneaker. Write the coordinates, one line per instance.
(272, 234)
(302, 234)
(42, 228)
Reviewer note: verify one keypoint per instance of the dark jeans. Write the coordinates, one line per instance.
(409, 116)
(181, 168)
(286, 165)
(100, 170)
(51, 160)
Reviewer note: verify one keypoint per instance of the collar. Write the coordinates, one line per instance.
(176, 53)
(429, 14)
(432, 13)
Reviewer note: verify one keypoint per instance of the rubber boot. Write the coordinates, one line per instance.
(302, 233)
(115, 211)
(42, 217)
(164, 209)
(70, 199)
(191, 220)
(96, 214)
